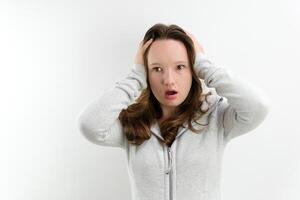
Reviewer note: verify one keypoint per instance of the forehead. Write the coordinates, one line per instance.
(167, 51)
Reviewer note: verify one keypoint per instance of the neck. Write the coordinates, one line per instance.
(167, 113)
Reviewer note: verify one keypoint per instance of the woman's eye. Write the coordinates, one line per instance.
(155, 68)
(182, 66)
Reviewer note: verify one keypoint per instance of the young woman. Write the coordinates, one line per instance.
(173, 115)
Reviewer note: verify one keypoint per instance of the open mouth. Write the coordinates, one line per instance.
(171, 92)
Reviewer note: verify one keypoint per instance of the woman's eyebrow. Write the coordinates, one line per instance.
(174, 63)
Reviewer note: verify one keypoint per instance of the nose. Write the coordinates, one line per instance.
(168, 78)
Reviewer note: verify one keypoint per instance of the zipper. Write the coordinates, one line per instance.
(169, 172)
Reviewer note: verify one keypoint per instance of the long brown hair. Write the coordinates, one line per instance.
(137, 119)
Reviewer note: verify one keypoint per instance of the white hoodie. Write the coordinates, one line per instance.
(191, 168)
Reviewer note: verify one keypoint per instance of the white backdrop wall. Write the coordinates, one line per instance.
(56, 56)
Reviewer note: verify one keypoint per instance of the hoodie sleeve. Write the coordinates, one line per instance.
(99, 122)
(246, 106)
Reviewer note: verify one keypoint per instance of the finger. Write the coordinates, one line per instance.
(147, 43)
(188, 33)
(141, 43)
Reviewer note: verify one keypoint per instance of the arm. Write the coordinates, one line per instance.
(247, 105)
(99, 122)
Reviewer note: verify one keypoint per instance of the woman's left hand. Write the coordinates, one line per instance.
(198, 46)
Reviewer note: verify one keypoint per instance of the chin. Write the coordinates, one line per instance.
(172, 103)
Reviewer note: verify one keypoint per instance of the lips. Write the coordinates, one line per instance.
(170, 95)
(170, 92)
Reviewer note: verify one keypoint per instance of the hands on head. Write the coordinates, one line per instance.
(142, 48)
(197, 45)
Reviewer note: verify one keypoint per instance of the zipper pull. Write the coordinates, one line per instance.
(170, 160)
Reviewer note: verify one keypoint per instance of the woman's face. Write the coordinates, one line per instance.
(168, 69)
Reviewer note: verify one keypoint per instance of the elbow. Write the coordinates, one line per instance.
(92, 134)
(83, 126)
(263, 108)
(265, 105)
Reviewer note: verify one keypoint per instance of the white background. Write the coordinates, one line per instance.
(56, 56)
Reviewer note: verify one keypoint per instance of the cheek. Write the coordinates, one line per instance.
(154, 83)
(188, 82)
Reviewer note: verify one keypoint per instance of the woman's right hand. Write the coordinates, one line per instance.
(141, 50)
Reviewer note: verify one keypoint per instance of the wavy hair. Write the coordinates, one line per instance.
(138, 117)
